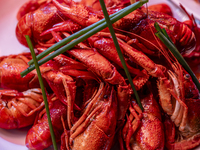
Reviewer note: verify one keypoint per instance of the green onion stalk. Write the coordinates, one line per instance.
(43, 91)
(163, 36)
(85, 35)
(112, 32)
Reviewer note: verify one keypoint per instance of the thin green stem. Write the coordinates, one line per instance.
(85, 36)
(179, 57)
(158, 28)
(112, 32)
(68, 39)
(43, 91)
(163, 31)
(77, 34)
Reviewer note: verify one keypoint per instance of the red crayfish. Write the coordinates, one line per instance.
(92, 105)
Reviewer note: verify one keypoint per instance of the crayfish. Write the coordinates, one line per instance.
(91, 102)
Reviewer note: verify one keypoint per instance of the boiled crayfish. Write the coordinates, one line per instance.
(92, 106)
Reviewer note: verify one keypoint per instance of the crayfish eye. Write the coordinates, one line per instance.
(105, 96)
(187, 76)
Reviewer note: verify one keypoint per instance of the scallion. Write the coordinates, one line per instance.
(85, 36)
(43, 90)
(169, 44)
(112, 32)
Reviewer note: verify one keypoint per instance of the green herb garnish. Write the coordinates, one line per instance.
(89, 33)
(112, 32)
(162, 35)
(43, 91)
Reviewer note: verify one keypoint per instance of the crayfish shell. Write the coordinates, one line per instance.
(89, 142)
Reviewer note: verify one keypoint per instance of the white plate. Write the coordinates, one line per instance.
(15, 139)
(8, 21)
(190, 5)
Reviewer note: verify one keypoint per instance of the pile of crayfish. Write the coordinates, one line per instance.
(91, 102)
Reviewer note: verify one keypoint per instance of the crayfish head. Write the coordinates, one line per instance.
(107, 118)
(191, 90)
(23, 28)
(179, 98)
(99, 126)
(10, 69)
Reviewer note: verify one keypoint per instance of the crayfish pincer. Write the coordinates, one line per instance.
(144, 129)
(10, 68)
(95, 129)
